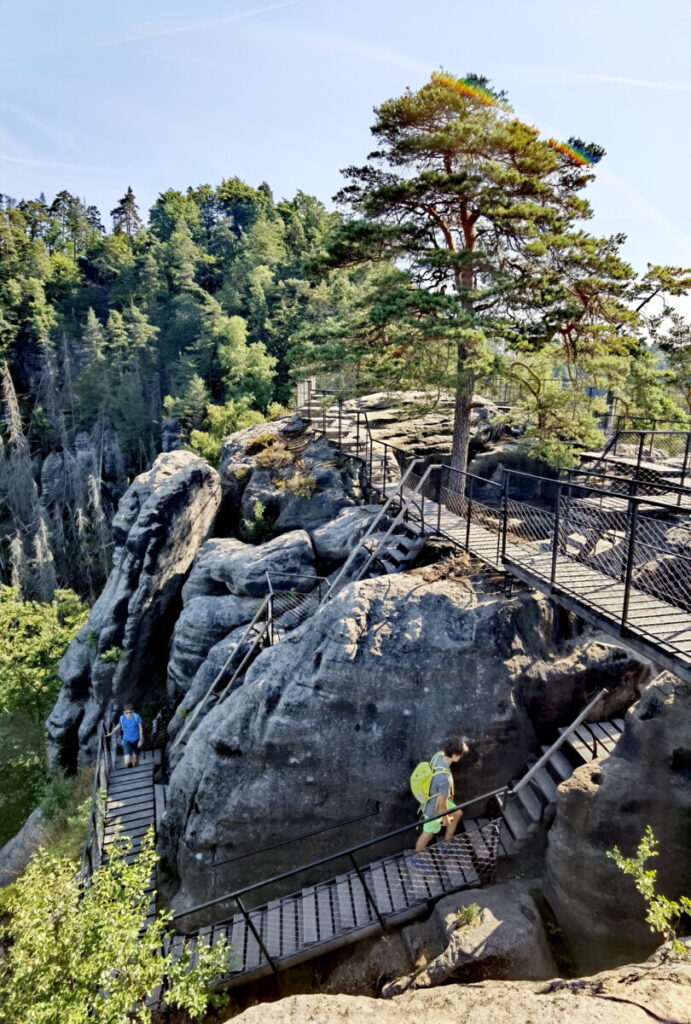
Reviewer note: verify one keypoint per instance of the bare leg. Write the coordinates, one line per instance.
(423, 841)
(453, 824)
(127, 760)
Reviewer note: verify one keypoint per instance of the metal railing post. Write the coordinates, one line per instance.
(685, 465)
(629, 564)
(501, 553)
(469, 513)
(368, 895)
(386, 464)
(357, 433)
(639, 459)
(555, 538)
(243, 910)
(340, 422)
(440, 472)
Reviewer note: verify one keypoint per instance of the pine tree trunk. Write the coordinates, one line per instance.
(461, 418)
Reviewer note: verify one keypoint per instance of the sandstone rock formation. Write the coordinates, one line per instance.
(161, 521)
(657, 990)
(18, 851)
(334, 717)
(503, 938)
(645, 781)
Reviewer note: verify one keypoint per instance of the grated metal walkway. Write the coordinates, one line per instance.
(656, 629)
(322, 917)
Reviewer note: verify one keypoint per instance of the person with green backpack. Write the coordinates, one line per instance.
(432, 785)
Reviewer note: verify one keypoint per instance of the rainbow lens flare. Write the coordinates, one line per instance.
(469, 90)
(577, 154)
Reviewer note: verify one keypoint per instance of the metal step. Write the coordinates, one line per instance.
(532, 804)
(562, 767)
(514, 819)
(544, 781)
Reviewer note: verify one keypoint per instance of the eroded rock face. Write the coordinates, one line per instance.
(287, 559)
(335, 716)
(160, 523)
(657, 990)
(504, 939)
(645, 781)
(204, 621)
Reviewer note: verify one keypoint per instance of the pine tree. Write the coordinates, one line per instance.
(126, 215)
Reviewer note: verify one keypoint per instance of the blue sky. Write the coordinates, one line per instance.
(153, 94)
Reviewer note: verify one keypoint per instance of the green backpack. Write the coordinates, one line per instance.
(421, 779)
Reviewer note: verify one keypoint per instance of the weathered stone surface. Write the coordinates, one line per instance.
(657, 990)
(200, 582)
(161, 521)
(336, 715)
(334, 540)
(645, 781)
(288, 560)
(506, 940)
(18, 851)
(203, 622)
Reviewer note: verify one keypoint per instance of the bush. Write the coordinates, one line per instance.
(259, 528)
(275, 456)
(113, 655)
(663, 915)
(260, 442)
(300, 485)
(82, 954)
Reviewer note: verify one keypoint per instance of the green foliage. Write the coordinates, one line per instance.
(258, 528)
(33, 638)
(112, 655)
(274, 456)
(80, 954)
(662, 914)
(222, 420)
(468, 915)
(300, 485)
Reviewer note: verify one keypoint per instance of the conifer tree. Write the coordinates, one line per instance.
(126, 215)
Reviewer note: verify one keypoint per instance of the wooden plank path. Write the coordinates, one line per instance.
(334, 913)
(656, 629)
(134, 804)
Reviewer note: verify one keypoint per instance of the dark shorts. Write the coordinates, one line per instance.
(130, 746)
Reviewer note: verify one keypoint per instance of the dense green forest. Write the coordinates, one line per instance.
(107, 333)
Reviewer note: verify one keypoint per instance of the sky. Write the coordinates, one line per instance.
(161, 94)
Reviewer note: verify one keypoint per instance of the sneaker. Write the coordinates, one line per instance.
(420, 863)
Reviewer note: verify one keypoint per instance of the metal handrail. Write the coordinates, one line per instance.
(375, 522)
(96, 812)
(568, 732)
(201, 703)
(331, 857)
(303, 835)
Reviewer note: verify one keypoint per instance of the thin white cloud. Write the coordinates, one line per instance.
(26, 161)
(52, 131)
(175, 30)
(357, 49)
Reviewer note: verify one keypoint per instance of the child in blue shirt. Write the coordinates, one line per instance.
(130, 725)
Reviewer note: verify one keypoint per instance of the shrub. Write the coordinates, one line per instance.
(275, 456)
(260, 442)
(300, 485)
(662, 915)
(259, 528)
(469, 915)
(113, 655)
(82, 954)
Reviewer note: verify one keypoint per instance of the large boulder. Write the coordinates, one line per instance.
(333, 719)
(117, 656)
(645, 781)
(203, 622)
(495, 932)
(334, 541)
(18, 851)
(288, 560)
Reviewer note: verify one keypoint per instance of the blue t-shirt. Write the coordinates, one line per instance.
(130, 727)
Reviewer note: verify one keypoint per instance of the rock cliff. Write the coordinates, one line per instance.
(645, 781)
(118, 655)
(334, 717)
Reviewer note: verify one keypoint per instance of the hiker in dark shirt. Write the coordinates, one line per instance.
(130, 725)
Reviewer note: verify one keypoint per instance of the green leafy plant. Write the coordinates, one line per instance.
(468, 915)
(662, 914)
(83, 954)
(300, 485)
(258, 528)
(274, 456)
(260, 442)
(91, 639)
(113, 655)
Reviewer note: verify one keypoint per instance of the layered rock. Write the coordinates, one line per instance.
(117, 656)
(645, 781)
(657, 990)
(334, 718)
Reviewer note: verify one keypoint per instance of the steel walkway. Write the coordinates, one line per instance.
(654, 628)
(318, 918)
